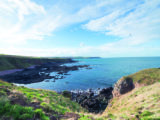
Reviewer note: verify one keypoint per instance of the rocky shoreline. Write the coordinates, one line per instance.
(94, 101)
(41, 72)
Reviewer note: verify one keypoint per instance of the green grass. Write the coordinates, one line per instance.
(51, 103)
(145, 77)
(18, 112)
(85, 117)
(8, 62)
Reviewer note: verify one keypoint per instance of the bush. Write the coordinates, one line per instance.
(67, 94)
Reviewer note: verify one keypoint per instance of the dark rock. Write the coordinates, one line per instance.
(94, 103)
(106, 91)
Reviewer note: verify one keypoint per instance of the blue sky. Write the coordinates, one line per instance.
(105, 28)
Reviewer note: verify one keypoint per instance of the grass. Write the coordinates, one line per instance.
(18, 112)
(49, 103)
(142, 103)
(8, 62)
(145, 77)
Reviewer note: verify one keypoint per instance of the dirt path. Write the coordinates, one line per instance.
(6, 72)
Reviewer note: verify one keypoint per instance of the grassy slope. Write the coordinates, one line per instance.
(8, 62)
(142, 102)
(38, 103)
(146, 77)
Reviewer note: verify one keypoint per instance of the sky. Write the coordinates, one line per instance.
(105, 28)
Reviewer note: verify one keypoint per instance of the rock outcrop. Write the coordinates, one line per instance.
(94, 103)
(124, 85)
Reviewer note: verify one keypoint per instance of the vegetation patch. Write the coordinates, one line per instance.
(146, 77)
(141, 103)
(39, 104)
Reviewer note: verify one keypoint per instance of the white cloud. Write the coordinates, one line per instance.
(16, 27)
(22, 20)
(134, 25)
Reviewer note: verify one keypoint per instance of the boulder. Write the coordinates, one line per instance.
(124, 85)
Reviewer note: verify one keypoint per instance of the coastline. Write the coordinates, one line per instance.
(39, 73)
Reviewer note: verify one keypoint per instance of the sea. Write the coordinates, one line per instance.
(104, 72)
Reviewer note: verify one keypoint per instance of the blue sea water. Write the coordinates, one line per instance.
(104, 73)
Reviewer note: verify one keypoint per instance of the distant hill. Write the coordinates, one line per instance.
(8, 62)
(85, 57)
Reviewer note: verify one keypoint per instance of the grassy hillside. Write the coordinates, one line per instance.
(145, 77)
(20, 103)
(141, 103)
(8, 62)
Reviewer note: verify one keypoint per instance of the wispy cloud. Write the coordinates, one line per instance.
(23, 20)
(135, 25)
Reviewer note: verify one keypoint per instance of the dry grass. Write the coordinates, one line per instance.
(143, 103)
